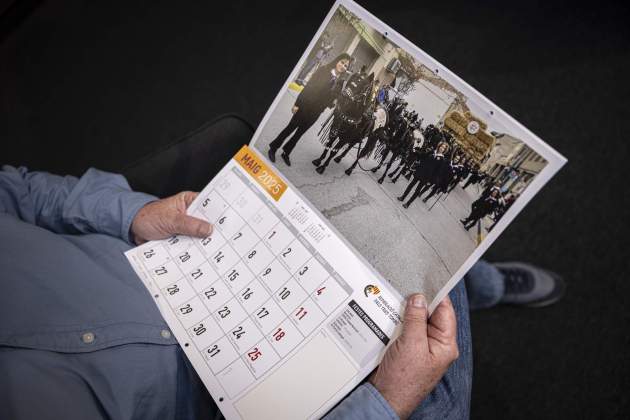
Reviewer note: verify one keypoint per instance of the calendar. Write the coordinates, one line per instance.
(278, 316)
(376, 173)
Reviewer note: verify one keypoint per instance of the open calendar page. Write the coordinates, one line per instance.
(278, 316)
(375, 173)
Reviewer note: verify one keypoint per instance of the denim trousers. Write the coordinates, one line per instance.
(482, 288)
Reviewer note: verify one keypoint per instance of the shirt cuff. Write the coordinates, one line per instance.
(364, 403)
(386, 409)
(133, 202)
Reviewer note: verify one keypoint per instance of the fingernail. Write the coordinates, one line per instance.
(419, 301)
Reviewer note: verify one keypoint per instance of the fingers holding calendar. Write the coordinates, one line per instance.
(166, 217)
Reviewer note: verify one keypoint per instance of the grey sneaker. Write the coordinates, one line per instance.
(529, 285)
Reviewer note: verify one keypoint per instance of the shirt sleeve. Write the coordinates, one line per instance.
(364, 403)
(98, 202)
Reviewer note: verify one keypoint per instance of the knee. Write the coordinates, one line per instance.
(484, 284)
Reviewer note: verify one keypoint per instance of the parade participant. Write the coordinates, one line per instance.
(459, 174)
(318, 94)
(468, 166)
(489, 188)
(444, 179)
(425, 172)
(475, 177)
(481, 208)
(505, 204)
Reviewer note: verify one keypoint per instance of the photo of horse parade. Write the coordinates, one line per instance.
(411, 171)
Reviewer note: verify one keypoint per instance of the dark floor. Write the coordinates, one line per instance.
(85, 84)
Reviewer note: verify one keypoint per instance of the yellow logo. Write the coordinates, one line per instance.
(370, 289)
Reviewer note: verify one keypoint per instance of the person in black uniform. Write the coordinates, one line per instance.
(481, 208)
(407, 163)
(504, 206)
(444, 178)
(468, 167)
(459, 174)
(427, 171)
(318, 94)
(475, 177)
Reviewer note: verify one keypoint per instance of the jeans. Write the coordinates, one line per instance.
(451, 397)
(484, 283)
(482, 288)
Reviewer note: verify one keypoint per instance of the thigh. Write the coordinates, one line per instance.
(451, 397)
(58, 392)
(137, 381)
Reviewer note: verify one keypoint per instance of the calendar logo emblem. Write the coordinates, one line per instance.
(370, 289)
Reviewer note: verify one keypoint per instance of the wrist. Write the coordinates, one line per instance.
(392, 400)
(386, 410)
(133, 236)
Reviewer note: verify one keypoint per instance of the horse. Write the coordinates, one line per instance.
(377, 132)
(410, 156)
(397, 145)
(348, 118)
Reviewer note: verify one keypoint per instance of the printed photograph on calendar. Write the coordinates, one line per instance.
(410, 170)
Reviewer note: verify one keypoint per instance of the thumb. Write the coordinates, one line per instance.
(191, 226)
(415, 320)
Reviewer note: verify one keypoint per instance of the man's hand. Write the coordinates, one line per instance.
(163, 218)
(294, 109)
(417, 360)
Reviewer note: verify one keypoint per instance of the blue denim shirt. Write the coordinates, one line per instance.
(80, 337)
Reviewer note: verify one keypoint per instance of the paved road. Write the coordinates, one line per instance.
(416, 249)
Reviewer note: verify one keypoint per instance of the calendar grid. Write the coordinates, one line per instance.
(253, 253)
(255, 348)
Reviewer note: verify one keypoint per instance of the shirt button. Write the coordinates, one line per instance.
(88, 338)
(166, 334)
